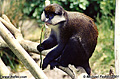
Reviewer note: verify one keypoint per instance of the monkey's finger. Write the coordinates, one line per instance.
(44, 66)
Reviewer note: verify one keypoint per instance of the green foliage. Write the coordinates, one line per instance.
(9, 58)
(107, 7)
(12, 8)
(108, 13)
(103, 57)
(74, 5)
(33, 8)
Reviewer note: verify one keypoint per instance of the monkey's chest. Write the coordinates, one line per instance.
(57, 33)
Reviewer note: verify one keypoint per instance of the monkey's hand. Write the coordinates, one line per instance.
(45, 63)
(39, 48)
(53, 64)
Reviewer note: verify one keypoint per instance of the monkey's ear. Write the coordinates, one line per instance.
(58, 12)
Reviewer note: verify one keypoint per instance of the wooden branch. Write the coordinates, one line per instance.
(26, 44)
(21, 53)
(11, 27)
(4, 71)
(2, 43)
(68, 71)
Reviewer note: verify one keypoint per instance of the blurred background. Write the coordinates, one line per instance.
(26, 14)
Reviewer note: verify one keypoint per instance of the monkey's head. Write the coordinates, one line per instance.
(53, 14)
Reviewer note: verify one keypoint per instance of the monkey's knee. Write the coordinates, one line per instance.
(88, 70)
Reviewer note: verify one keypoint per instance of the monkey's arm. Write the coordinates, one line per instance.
(48, 43)
(55, 53)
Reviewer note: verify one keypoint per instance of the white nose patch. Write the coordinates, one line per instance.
(46, 19)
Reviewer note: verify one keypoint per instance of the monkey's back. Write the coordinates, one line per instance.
(85, 31)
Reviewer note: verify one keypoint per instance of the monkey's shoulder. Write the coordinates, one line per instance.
(81, 22)
(79, 19)
(78, 15)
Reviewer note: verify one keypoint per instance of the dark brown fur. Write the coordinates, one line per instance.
(78, 39)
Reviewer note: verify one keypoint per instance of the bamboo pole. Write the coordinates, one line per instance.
(117, 38)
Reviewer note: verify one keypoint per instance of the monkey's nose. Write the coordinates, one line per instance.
(46, 19)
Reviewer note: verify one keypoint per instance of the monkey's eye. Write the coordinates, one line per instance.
(47, 16)
(51, 16)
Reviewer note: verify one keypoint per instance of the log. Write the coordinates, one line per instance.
(18, 50)
(4, 71)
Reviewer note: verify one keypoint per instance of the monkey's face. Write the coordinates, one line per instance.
(53, 15)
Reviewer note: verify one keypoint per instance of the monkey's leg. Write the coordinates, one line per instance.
(86, 67)
(75, 54)
(70, 53)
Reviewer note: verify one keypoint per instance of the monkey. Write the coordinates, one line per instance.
(73, 33)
